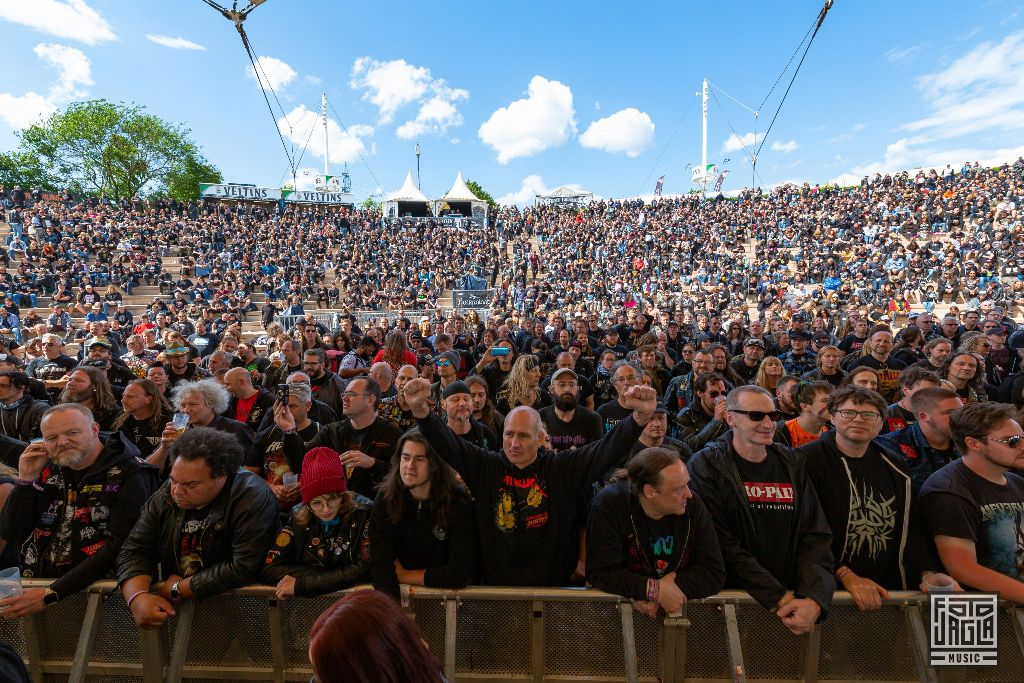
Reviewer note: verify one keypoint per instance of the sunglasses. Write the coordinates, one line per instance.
(443, 363)
(715, 394)
(759, 415)
(1012, 441)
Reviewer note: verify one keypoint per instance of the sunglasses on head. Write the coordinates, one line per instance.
(759, 415)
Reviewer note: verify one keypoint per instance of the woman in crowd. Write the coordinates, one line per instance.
(864, 377)
(395, 352)
(324, 546)
(828, 367)
(909, 345)
(966, 372)
(522, 386)
(769, 372)
(146, 414)
(366, 638)
(936, 352)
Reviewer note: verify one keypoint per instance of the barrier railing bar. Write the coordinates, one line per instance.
(811, 651)
(629, 642)
(154, 654)
(537, 641)
(182, 636)
(1018, 626)
(277, 652)
(86, 638)
(451, 623)
(33, 648)
(920, 641)
(737, 671)
(672, 639)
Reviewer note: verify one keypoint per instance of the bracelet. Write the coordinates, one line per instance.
(843, 573)
(652, 590)
(25, 482)
(135, 595)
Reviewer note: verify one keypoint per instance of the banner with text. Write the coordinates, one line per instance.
(272, 194)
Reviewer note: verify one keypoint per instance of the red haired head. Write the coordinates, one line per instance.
(366, 638)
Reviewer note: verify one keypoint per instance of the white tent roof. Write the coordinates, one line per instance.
(460, 192)
(408, 192)
(565, 192)
(846, 180)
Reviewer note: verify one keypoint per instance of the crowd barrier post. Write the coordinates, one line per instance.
(277, 644)
(920, 641)
(451, 616)
(672, 633)
(810, 652)
(629, 642)
(83, 650)
(32, 647)
(182, 636)
(737, 671)
(152, 643)
(537, 641)
(1018, 627)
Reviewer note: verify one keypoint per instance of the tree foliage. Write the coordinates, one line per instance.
(481, 193)
(26, 170)
(117, 150)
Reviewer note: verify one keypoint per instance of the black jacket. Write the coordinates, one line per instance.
(526, 517)
(246, 439)
(234, 545)
(696, 428)
(716, 479)
(263, 405)
(832, 482)
(10, 451)
(107, 498)
(21, 421)
(448, 553)
(618, 538)
(321, 559)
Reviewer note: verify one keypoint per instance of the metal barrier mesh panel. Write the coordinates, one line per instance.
(876, 645)
(233, 629)
(112, 679)
(493, 637)
(707, 646)
(645, 632)
(59, 628)
(764, 639)
(431, 620)
(12, 633)
(117, 637)
(299, 616)
(583, 639)
(1010, 668)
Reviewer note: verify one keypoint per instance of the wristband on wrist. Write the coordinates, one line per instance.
(135, 595)
(25, 482)
(652, 590)
(842, 573)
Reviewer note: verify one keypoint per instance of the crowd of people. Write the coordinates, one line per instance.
(626, 423)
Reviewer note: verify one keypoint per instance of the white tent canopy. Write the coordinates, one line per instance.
(407, 200)
(565, 194)
(460, 200)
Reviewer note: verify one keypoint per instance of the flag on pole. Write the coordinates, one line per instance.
(658, 186)
(721, 179)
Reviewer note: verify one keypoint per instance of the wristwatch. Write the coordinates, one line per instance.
(175, 593)
(50, 596)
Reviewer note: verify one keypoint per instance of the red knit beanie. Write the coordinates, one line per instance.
(322, 473)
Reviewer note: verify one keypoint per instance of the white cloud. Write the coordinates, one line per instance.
(630, 131)
(785, 147)
(735, 142)
(273, 71)
(74, 71)
(899, 54)
(312, 79)
(395, 84)
(543, 119)
(343, 147)
(978, 96)
(531, 186)
(72, 19)
(178, 43)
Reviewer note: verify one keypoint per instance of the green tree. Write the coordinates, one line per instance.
(117, 150)
(25, 169)
(183, 183)
(369, 204)
(481, 193)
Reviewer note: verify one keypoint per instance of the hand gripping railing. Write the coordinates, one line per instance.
(497, 634)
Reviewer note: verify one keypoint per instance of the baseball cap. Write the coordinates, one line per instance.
(176, 351)
(821, 336)
(10, 358)
(451, 356)
(563, 371)
(753, 341)
(799, 334)
(455, 388)
(98, 341)
(661, 408)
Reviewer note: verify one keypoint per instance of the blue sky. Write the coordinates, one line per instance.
(524, 97)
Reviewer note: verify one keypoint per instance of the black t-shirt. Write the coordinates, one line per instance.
(772, 504)
(959, 503)
(43, 368)
(190, 545)
(852, 343)
(612, 413)
(888, 374)
(875, 524)
(585, 426)
(663, 540)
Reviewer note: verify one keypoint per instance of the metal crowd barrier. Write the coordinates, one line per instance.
(499, 634)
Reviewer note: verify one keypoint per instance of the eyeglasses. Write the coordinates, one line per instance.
(759, 415)
(715, 394)
(353, 394)
(620, 380)
(1012, 441)
(325, 500)
(866, 415)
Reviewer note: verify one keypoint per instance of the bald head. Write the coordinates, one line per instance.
(522, 436)
(383, 374)
(239, 382)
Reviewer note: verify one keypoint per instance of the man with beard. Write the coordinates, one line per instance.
(394, 408)
(569, 425)
(586, 393)
(52, 367)
(139, 358)
(744, 368)
(421, 527)
(76, 500)
(179, 369)
(457, 402)
(879, 360)
(327, 386)
(99, 352)
(89, 387)
(20, 413)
